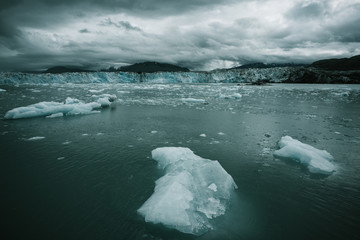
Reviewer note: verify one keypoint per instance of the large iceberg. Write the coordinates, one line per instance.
(192, 191)
(317, 161)
(71, 106)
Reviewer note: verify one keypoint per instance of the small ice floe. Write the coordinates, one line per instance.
(2, 90)
(34, 90)
(104, 99)
(265, 151)
(96, 91)
(35, 138)
(66, 142)
(71, 106)
(192, 100)
(153, 132)
(231, 96)
(85, 134)
(99, 134)
(60, 158)
(337, 133)
(203, 135)
(193, 191)
(221, 133)
(317, 161)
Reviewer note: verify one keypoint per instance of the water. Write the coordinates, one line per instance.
(89, 175)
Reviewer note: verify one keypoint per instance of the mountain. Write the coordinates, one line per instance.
(151, 67)
(342, 64)
(267, 65)
(62, 69)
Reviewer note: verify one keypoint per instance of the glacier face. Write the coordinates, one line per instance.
(279, 74)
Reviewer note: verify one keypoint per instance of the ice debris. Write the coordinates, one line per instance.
(192, 191)
(71, 106)
(2, 90)
(192, 100)
(317, 161)
(35, 138)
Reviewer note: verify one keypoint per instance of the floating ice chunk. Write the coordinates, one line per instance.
(96, 91)
(35, 138)
(105, 99)
(192, 191)
(2, 90)
(317, 161)
(221, 133)
(203, 135)
(232, 96)
(153, 132)
(71, 106)
(192, 100)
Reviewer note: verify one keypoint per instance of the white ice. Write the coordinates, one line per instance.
(2, 90)
(317, 161)
(192, 191)
(71, 106)
(35, 138)
(192, 100)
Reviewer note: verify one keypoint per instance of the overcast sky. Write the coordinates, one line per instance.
(198, 34)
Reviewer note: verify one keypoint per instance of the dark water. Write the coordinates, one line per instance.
(89, 175)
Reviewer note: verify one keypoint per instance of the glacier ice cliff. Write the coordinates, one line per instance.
(279, 74)
(250, 75)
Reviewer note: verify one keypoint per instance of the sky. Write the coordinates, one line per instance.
(198, 34)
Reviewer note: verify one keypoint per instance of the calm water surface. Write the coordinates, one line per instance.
(89, 175)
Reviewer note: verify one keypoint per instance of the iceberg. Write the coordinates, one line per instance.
(71, 106)
(317, 161)
(192, 191)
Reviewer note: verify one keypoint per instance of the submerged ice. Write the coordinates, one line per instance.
(71, 106)
(192, 191)
(317, 161)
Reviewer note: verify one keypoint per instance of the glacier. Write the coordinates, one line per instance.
(317, 161)
(71, 106)
(279, 74)
(192, 191)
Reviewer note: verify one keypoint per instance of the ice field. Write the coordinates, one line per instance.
(180, 161)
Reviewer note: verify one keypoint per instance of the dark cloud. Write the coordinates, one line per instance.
(84, 30)
(196, 34)
(120, 24)
(303, 11)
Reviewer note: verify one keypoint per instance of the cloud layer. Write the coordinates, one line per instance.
(200, 35)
